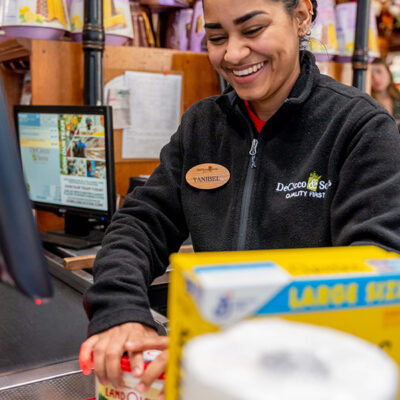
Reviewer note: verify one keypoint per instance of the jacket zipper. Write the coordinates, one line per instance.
(246, 198)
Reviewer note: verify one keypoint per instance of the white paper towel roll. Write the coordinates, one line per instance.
(281, 360)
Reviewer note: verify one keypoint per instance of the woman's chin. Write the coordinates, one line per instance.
(249, 95)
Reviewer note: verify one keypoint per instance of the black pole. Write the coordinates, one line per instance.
(93, 47)
(360, 55)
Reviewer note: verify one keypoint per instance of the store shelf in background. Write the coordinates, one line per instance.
(57, 78)
(57, 68)
(14, 59)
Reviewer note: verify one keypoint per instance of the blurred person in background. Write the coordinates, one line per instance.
(383, 88)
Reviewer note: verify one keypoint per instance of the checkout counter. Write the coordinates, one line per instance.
(39, 344)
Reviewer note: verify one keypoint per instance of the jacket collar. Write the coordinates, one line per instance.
(300, 92)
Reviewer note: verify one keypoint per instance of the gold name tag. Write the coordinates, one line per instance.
(207, 176)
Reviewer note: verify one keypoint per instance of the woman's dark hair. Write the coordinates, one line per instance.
(291, 5)
(392, 88)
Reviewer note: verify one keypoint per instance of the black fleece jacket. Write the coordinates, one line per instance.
(326, 173)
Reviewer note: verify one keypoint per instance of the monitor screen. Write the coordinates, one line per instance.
(22, 259)
(67, 159)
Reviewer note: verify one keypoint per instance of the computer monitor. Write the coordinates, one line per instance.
(67, 157)
(22, 261)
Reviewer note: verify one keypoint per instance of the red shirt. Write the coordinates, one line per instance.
(258, 123)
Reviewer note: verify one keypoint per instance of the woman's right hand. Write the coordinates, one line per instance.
(107, 348)
(157, 367)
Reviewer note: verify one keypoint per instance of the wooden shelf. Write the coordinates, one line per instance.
(14, 49)
(14, 59)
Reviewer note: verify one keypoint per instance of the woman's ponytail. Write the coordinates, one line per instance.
(315, 6)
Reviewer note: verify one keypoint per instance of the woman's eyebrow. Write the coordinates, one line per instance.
(212, 25)
(246, 17)
(237, 21)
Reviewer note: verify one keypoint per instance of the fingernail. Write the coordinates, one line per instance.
(130, 344)
(86, 371)
(137, 371)
(104, 382)
(115, 384)
(141, 388)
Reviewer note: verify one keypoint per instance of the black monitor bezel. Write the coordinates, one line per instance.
(106, 111)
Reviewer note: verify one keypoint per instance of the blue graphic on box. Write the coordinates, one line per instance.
(234, 267)
(344, 293)
(224, 306)
(226, 293)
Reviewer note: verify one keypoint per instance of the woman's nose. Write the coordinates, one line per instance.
(236, 51)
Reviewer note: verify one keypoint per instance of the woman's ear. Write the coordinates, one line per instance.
(303, 17)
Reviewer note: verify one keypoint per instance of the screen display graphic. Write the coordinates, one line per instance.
(64, 159)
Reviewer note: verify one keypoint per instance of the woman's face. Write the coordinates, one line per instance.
(254, 44)
(380, 77)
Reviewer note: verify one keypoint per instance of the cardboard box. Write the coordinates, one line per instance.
(354, 289)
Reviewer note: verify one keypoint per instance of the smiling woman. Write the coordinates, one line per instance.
(279, 123)
(254, 45)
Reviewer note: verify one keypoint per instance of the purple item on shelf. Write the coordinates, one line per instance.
(323, 41)
(34, 19)
(197, 33)
(68, 4)
(171, 3)
(178, 30)
(349, 59)
(115, 40)
(345, 27)
(321, 57)
(76, 37)
(33, 32)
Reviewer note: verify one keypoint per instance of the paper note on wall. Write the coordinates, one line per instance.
(119, 99)
(155, 108)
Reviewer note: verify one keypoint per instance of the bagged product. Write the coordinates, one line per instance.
(168, 3)
(346, 27)
(36, 19)
(197, 32)
(179, 28)
(117, 21)
(323, 41)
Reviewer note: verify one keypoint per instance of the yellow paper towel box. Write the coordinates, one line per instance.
(355, 289)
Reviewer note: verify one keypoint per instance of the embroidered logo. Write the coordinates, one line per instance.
(313, 181)
(313, 187)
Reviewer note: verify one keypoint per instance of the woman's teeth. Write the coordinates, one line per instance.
(248, 71)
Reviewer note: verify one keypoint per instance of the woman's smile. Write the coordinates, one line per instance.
(248, 73)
